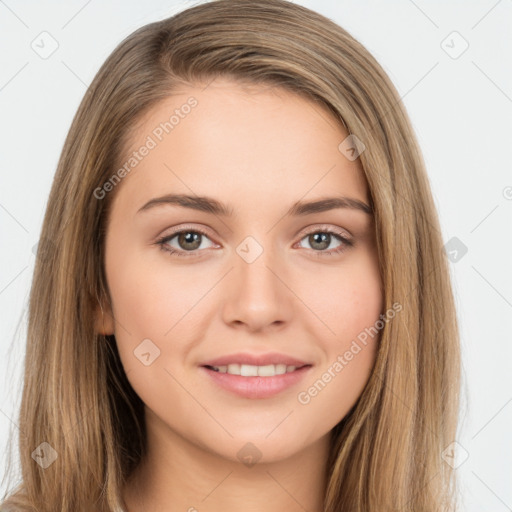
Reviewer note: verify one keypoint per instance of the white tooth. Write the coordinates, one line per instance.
(247, 370)
(280, 369)
(267, 371)
(234, 369)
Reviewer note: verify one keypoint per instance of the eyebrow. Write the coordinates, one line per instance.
(300, 208)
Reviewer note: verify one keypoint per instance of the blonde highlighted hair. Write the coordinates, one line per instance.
(386, 452)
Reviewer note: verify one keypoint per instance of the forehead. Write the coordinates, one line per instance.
(252, 144)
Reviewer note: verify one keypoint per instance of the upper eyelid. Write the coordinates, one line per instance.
(203, 231)
(325, 227)
(306, 230)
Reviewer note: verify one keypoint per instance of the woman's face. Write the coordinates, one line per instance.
(265, 277)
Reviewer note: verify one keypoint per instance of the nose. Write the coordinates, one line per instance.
(256, 294)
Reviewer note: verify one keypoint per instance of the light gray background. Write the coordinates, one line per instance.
(461, 109)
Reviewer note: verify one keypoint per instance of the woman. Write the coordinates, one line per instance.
(256, 369)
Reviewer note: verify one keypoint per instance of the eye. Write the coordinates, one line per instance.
(188, 241)
(321, 239)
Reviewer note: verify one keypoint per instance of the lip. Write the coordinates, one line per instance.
(256, 387)
(256, 360)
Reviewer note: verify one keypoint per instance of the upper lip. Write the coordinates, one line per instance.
(256, 360)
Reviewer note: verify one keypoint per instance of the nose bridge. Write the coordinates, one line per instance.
(255, 260)
(257, 292)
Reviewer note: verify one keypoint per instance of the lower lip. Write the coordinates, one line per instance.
(257, 387)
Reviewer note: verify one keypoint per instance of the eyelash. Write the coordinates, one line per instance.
(162, 242)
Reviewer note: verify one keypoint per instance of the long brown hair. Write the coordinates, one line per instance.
(386, 453)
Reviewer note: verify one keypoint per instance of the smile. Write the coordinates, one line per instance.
(248, 370)
(256, 382)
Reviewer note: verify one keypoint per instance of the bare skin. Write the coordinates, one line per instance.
(258, 150)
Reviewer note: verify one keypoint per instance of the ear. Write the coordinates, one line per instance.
(104, 320)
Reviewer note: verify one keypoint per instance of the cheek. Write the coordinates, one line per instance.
(148, 299)
(349, 304)
(156, 302)
(147, 305)
(347, 299)
(351, 311)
